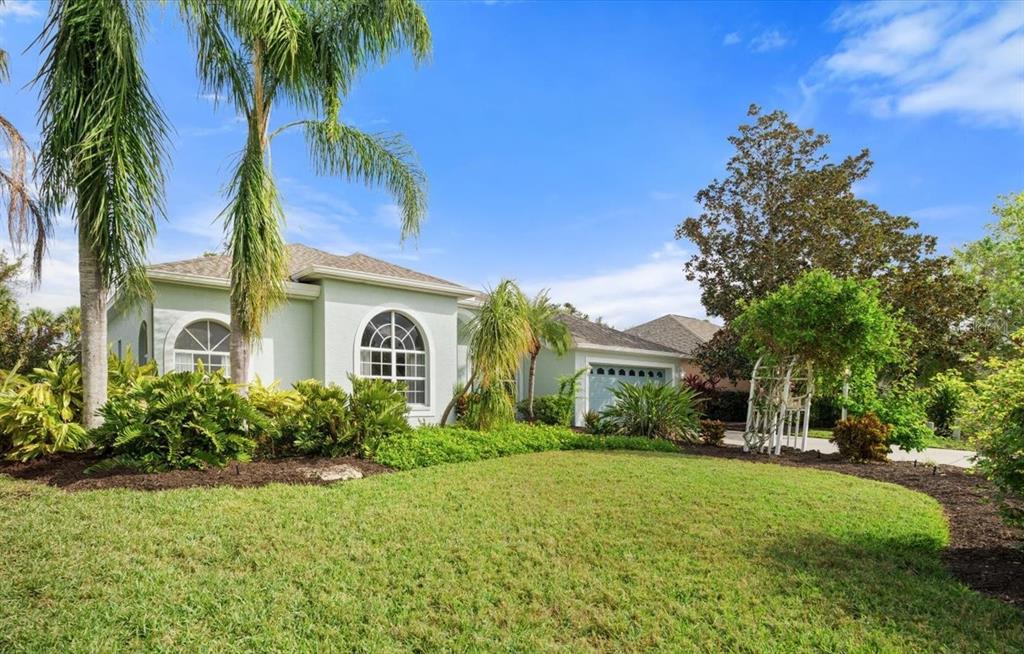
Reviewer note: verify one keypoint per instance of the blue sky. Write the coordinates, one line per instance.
(564, 141)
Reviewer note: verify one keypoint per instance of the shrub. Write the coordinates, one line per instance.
(488, 407)
(594, 423)
(712, 432)
(279, 408)
(1001, 459)
(321, 426)
(560, 408)
(901, 406)
(863, 438)
(945, 399)
(178, 420)
(826, 411)
(654, 411)
(377, 410)
(40, 413)
(427, 446)
(727, 406)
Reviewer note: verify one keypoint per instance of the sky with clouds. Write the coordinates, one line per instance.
(564, 141)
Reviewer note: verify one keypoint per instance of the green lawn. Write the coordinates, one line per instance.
(567, 551)
(932, 441)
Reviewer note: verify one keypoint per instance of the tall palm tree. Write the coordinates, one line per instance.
(26, 221)
(102, 154)
(256, 54)
(545, 329)
(500, 336)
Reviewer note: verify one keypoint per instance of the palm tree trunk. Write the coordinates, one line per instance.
(455, 398)
(532, 383)
(238, 351)
(93, 298)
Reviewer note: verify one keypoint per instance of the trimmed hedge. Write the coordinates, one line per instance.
(428, 446)
(727, 406)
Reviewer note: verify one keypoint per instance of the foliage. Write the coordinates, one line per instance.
(785, 208)
(546, 329)
(30, 339)
(428, 446)
(862, 438)
(322, 424)
(899, 404)
(1001, 459)
(996, 264)
(722, 356)
(833, 323)
(279, 408)
(945, 399)
(40, 413)
(998, 390)
(712, 432)
(654, 411)
(559, 408)
(593, 423)
(306, 55)
(178, 420)
(500, 336)
(377, 411)
(702, 386)
(725, 405)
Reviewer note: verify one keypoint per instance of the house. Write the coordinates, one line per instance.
(683, 334)
(358, 314)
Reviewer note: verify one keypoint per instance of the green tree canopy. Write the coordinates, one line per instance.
(996, 264)
(835, 323)
(785, 208)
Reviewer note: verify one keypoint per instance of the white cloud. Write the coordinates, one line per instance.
(633, 294)
(732, 38)
(768, 40)
(58, 288)
(923, 59)
(21, 9)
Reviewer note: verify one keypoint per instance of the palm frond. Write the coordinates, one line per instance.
(103, 133)
(375, 159)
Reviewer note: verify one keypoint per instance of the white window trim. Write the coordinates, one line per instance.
(183, 321)
(415, 410)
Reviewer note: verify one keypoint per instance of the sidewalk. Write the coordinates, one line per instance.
(958, 458)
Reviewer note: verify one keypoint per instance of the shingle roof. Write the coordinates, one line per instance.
(301, 257)
(680, 333)
(585, 331)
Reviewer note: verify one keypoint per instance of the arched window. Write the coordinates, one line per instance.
(143, 352)
(203, 341)
(392, 348)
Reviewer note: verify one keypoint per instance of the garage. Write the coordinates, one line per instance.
(605, 377)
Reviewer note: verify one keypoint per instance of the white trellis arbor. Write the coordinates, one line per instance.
(779, 407)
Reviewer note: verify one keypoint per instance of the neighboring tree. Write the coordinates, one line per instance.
(305, 54)
(722, 357)
(546, 330)
(996, 263)
(572, 310)
(30, 339)
(500, 335)
(26, 220)
(103, 155)
(784, 208)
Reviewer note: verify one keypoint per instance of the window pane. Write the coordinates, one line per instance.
(219, 337)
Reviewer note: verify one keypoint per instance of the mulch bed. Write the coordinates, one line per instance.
(983, 552)
(68, 472)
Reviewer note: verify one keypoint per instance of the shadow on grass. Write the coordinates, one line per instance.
(898, 586)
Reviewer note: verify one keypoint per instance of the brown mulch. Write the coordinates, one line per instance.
(984, 553)
(68, 472)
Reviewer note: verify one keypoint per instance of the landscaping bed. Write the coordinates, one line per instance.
(68, 472)
(983, 552)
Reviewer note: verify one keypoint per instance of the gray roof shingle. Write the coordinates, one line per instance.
(680, 333)
(585, 331)
(301, 257)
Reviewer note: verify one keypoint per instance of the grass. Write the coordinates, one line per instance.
(568, 551)
(931, 441)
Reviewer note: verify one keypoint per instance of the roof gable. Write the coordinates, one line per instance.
(681, 333)
(585, 332)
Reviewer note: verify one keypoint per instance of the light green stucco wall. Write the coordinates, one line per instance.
(123, 327)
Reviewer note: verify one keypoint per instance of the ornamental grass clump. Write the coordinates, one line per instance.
(654, 411)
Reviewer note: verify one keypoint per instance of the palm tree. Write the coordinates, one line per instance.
(500, 336)
(546, 329)
(26, 221)
(103, 154)
(257, 53)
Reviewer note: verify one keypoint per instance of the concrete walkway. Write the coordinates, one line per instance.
(933, 455)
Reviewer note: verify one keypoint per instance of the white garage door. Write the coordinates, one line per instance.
(605, 377)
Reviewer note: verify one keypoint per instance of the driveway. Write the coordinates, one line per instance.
(958, 458)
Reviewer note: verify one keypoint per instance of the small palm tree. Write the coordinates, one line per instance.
(103, 154)
(26, 221)
(258, 53)
(546, 329)
(500, 336)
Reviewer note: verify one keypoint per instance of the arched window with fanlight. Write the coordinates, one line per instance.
(202, 342)
(393, 348)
